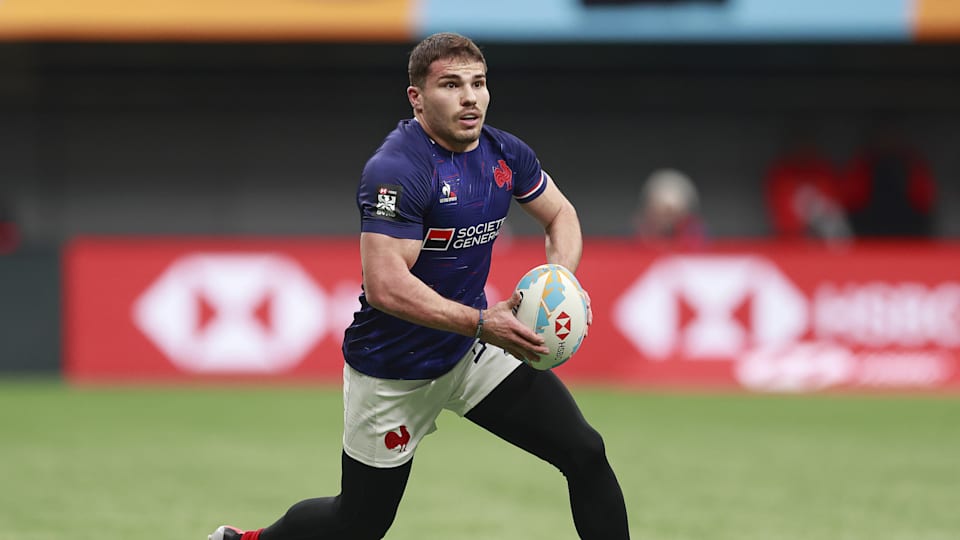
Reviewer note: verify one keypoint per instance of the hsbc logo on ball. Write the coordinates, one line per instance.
(711, 308)
(233, 313)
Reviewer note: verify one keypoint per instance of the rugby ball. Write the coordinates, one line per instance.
(554, 306)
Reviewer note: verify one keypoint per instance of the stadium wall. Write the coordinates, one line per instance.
(231, 139)
(30, 312)
(757, 316)
(270, 138)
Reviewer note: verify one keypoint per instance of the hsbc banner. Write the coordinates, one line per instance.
(757, 316)
(140, 310)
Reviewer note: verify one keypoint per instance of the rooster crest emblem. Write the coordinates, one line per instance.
(397, 440)
(503, 175)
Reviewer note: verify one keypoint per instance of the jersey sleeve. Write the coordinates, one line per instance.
(529, 179)
(392, 197)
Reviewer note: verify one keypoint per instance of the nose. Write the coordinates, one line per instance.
(469, 96)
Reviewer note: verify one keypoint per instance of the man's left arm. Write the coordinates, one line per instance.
(564, 239)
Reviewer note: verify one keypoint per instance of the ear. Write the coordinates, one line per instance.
(414, 96)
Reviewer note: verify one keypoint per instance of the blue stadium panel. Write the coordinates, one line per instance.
(677, 20)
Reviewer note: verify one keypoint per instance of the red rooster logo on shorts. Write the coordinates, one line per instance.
(393, 440)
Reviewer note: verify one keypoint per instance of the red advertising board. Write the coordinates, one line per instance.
(757, 316)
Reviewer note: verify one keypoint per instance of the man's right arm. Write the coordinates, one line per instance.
(389, 286)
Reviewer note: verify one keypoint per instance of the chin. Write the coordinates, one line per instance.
(470, 136)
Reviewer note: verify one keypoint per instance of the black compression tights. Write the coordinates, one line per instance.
(530, 409)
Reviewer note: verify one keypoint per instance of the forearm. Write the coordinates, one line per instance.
(418, 303)
(564, 239)
(410, 299)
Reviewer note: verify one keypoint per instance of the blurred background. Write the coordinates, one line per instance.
(770, 192)
(754, 174)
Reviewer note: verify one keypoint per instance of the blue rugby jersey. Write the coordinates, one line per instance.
(455, 203)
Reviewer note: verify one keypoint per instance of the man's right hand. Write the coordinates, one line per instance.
(502, 328)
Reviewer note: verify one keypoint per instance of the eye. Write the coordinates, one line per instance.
(450, 85)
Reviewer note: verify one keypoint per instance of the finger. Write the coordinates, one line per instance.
(532, 339)
(586, 298)
(528, 350)
(531, 357)
(523, 355)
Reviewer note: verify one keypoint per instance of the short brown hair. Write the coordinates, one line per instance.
(440, 46)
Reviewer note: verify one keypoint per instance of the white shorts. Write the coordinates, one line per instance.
(384, 419)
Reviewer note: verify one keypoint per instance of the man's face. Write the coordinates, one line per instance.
(452, 104)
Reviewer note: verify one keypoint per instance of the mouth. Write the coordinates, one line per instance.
(469, 120)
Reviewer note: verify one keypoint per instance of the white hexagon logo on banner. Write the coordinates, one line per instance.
(233, 313)
(711, 307)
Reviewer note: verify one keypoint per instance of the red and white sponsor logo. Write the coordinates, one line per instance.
(233, 313)
(760, 316)
(438, 239)
(815, 365)
(888, 314)
(442, 239)
(743, 309)
(562, 329)
(710, 307)
(170, 309)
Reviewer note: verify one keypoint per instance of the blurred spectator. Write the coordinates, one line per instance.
(889, 190)
(9, 236)
(803, 193)
(668, 212)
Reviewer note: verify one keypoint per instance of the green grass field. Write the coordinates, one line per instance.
(173, 463)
